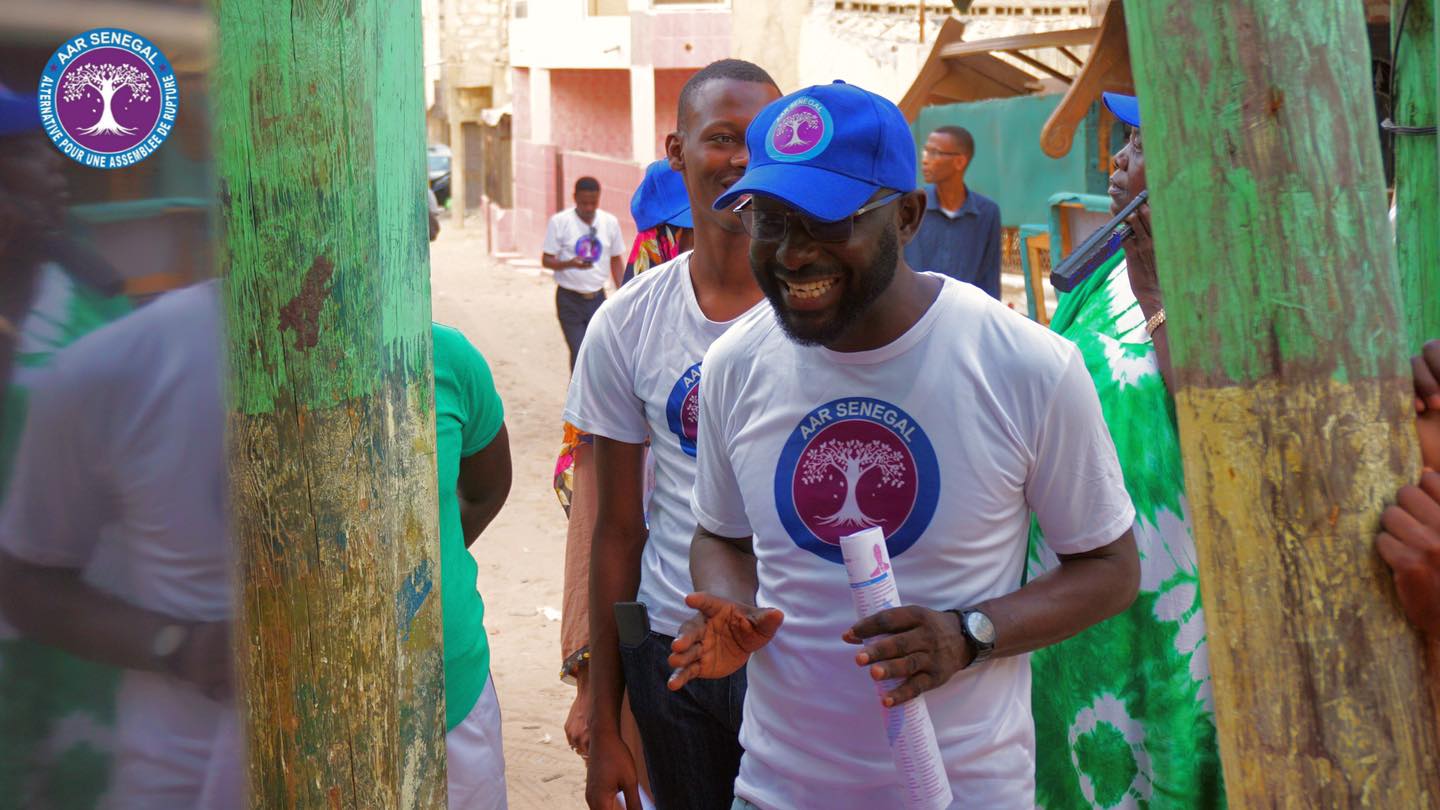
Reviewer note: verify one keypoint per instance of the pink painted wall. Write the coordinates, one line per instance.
(535, 195)
(667, 100)
(678, 39)
(520, 104)
(590, 111)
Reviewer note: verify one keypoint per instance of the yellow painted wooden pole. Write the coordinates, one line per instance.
(1289, 347)
(321, 158)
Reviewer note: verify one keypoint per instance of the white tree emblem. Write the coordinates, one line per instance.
(106, 80)
(852, 459)
(690, 413)
(795, 121)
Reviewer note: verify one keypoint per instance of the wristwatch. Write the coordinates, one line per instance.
(166, 642)
(979, 631)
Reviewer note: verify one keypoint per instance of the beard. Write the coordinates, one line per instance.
(862, 290)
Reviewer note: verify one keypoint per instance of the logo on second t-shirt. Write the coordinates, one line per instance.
(682, 409)
(588, 247)
(851, 464)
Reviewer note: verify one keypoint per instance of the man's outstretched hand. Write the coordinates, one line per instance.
(719, 639)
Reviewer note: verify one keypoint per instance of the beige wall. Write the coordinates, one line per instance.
(881, 55)
(474, 41)
(767, 32)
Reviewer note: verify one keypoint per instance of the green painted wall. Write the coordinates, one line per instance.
(1009, 167)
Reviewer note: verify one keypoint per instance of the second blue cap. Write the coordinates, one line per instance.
(1126, 108)
(661, 198)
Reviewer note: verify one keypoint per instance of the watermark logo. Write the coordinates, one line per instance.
(801, 131)
(108, 98)
(851, 464)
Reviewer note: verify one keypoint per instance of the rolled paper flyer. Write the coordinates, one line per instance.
(907, 726)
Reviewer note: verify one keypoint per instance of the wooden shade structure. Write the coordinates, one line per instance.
(959, 71)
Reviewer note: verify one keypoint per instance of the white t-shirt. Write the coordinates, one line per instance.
(123, 456)
(568, 236)
(947, 438)
(638, 378)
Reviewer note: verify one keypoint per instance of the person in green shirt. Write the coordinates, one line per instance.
(1124, 712)
(472, 454)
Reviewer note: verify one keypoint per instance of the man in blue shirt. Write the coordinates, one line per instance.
(960, 235)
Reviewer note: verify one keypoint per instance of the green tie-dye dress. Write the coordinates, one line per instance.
(1124, 712)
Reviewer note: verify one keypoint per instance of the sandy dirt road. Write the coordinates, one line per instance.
(510, 316)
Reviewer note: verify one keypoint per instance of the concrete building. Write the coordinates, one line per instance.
(467, 74)
(595, 86)
(595, 83)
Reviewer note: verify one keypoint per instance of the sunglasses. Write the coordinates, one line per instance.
(773, 226)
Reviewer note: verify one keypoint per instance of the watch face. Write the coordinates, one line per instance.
(980, 627)
(168, 640)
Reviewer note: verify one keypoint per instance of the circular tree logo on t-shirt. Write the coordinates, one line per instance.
(682, 409)
(108, 98)
(588, 247)
(801, 131)
(852, 464)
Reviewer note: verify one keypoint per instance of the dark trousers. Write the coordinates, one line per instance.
(575, 312)
(691, 737)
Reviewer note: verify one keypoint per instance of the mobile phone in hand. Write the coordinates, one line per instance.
(632, 622)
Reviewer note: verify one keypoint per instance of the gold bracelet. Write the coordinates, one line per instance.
(1155, 322)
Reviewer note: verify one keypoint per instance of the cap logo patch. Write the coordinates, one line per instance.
(801, 131)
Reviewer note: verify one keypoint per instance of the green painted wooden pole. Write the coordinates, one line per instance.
(321, 158)
(1417, 172)
(1278, 269)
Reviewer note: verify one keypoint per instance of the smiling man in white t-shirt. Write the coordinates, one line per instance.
(868, 395)
(638, 380)
(578, 243)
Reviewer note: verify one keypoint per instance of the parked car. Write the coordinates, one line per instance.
(438, 162)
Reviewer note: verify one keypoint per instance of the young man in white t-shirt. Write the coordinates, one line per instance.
(637, 381)
(580, 242)
(869, 395)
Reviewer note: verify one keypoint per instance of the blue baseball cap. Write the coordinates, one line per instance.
(1126, 108)
(18, 113)
(661, 198)
(826, 150)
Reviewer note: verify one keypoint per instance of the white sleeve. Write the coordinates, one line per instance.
(55, 507)
(716, 501)
(1075, 486)
(602, 398)
(552, 237)
(617, 242)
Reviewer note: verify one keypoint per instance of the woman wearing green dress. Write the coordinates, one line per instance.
(1124, 712)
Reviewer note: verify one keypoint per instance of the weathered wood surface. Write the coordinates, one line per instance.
(321, 158)
(1417, 172)
(1280, 283)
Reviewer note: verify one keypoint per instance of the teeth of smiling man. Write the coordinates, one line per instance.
(812, 290)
